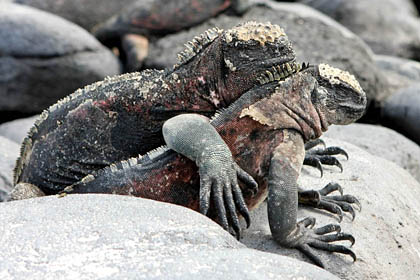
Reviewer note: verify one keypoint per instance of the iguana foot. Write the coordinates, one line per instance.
(335, 203)
(324, 155)
(24, 191)
(319, 238)
(226, 195)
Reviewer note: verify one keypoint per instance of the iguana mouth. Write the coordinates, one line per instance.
(281, 72)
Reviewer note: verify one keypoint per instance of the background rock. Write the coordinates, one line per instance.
(86, 13)
(389, 27)
(94, 236)
(44, 57)
(316, 39)
(9, 151)
(402, 112)
(17, 130)
(381, 142)
(386, 230)
(399, 72)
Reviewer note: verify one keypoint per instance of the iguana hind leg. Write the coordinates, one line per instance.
(316, 157)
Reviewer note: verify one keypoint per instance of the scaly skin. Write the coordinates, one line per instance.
(265, 130)
(122, 117)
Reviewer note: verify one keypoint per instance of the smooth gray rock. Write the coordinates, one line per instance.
(9, 151)
(86, 13)
(17, 130)
(44, 57)
(386, 230)
(381, 142)
(94, 236)
(399, 72)
(316, 39)
(389, 27)
(401, 111)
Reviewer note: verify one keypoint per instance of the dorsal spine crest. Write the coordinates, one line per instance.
(193, 47)
(281, 72)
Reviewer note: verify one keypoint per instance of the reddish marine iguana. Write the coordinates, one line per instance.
(122, 117)
(265, 131)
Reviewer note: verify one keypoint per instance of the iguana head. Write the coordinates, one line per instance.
(233, 60)
(308, 101)
(338, 95)
(252, 49)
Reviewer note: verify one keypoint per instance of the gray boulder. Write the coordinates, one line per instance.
(9, 151)
(389, 27)
(17, 130)
(399, 72)
(96, 236)
(401, 111)
(44, 57)
(316, 38)
(86, 13)
(381, 142)
(386, 230)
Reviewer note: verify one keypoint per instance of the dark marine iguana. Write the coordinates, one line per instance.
(265, 131)
(122, 116)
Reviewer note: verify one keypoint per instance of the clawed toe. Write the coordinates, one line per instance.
(319, 156)
(321, 238)
(336, 204)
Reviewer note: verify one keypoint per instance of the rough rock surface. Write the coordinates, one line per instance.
(386, 143)
(44, 57)
(86, 13)
(17, 130)
(399, 72)
(118, 237)
(389, 27)
(386, 230)
(9, 151)
(315, 37)
(401, 111)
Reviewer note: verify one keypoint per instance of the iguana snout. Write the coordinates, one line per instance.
(339, 96)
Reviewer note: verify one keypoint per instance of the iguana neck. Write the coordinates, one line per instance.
(291, 107)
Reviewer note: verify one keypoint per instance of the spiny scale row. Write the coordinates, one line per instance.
(281, 72)
(194, 46)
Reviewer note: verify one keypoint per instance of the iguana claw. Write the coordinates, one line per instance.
(335, 204)
(324, 155)
(319, 238)
(227, 196)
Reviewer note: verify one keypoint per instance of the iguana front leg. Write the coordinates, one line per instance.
(282, 201)
(194, 137)
(335, 204)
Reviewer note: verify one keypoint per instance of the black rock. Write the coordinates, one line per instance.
(44, 57)
(402, 112)
(399, 72)
(86, 13)
(390, 27)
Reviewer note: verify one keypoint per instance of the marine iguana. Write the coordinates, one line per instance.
(265, 131)
(122, 116)
(119, 118)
